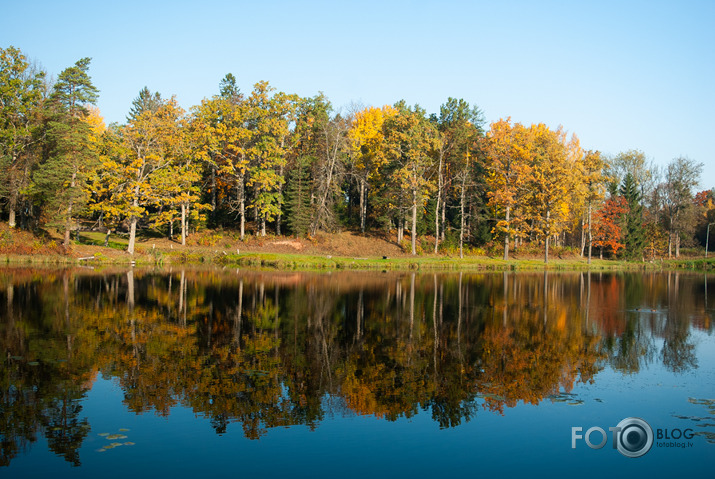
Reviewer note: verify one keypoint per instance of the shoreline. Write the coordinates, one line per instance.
(296, 261)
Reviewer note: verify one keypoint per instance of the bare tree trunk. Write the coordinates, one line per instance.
(183, 224)
(242, 206)
(670, 244)
(133, 221)
(12, 206)
(439, 197)
(213, 191)
(132, 234)
(590, 235)
(363, 205)
(547, 238)
(281, 172)
(12, 203)
(462, 200)
(414, 222)
(677, 244)
(506, 234)
(68, 224)
(546, 249)
(583, 235)
(444, 217)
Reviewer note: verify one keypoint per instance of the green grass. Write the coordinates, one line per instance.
(97, 239)
(312, 262)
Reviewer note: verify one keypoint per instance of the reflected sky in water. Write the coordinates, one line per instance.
(316, 375)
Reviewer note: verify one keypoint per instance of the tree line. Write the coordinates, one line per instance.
(269, 162)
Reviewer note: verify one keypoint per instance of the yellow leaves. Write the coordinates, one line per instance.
(536, 169)
(367, 138)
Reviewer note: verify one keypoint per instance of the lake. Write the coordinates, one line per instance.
(196, 372)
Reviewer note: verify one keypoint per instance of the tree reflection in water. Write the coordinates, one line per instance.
(280, 349)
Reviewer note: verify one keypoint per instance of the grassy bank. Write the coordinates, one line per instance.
(291, 261)
(326, 252)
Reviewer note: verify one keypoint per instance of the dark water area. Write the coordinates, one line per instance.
(234, 372)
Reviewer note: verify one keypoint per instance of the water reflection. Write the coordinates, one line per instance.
(280, 349)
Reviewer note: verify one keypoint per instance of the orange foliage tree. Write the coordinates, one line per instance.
(607, 231)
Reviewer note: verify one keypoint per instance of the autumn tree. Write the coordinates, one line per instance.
(221, 138)
(607, 233)
(508, 170)
(176, 186)
(705, 213)
(593, 165)
(147, 145)
(555, 174)
(21, 96)
(410, 139)
(368, 152)
(61, 178)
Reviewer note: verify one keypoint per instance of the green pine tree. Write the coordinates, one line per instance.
(299, 214)
(59, 183)
(146, 101)
(633, 220)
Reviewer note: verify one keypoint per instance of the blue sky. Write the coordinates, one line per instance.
(620, 74)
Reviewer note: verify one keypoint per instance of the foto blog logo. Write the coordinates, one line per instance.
(632, 437)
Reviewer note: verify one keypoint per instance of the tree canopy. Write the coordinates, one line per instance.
(270, 162)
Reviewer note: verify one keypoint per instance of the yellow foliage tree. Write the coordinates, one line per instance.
(126, 184)
(508, 170)
(368, 153)
(410, 138)
(556, 169)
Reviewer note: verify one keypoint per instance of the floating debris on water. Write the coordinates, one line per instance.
(709, 435)
(114, 437)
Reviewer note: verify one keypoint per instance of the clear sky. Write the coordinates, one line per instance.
(620, 74)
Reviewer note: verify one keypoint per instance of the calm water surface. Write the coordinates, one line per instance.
(223, 372)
